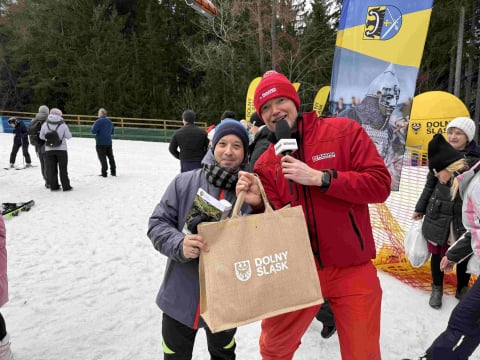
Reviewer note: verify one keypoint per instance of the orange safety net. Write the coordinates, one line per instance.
(392, 219)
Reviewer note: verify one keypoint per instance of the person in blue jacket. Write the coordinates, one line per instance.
(20, 140)
(103, 129)
(179, 294)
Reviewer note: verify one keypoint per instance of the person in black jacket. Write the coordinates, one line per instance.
(20, 139)
(442, 217)
(261, 139)
(189, 143)
(34, 133)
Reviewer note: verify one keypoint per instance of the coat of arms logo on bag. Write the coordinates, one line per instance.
(243, 270)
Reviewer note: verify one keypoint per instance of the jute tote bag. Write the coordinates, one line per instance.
(258, 266)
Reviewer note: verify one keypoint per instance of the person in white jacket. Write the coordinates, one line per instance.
(57, 156)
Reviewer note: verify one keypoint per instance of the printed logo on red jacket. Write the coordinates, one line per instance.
(323, 156)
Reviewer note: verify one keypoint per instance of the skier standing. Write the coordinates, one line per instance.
(20, 139)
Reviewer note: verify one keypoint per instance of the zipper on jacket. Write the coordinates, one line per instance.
(310, 215)
(355, 228)
(309, 208)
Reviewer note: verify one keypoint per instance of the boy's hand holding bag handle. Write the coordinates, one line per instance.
(258, 266)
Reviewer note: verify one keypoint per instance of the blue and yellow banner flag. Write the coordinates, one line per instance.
(378, 52)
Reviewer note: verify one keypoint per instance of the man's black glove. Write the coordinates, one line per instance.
(193, 223)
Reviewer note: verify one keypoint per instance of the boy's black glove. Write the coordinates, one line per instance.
(193, 223)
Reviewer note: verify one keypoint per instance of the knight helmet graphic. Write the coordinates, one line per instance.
(387, 88)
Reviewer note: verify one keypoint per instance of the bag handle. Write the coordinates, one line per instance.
(241, 199)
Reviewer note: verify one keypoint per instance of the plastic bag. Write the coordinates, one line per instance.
(473, 265)
(415, 245)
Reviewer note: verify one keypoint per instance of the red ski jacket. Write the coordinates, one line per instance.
(338, 218)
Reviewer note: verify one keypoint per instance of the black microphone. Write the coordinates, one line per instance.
(285, 144)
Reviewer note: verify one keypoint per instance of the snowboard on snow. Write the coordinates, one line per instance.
(10, 210)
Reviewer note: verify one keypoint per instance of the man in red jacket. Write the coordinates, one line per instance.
(335, 173)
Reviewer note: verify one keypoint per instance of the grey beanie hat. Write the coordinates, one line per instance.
(43, 109)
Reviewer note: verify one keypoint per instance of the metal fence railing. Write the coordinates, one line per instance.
(141, 129)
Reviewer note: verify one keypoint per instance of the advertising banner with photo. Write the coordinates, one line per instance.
(378, 52)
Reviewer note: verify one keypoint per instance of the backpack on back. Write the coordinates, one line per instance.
(34, 132)
(51, 137)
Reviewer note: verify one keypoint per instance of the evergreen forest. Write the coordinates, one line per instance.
(155, 58)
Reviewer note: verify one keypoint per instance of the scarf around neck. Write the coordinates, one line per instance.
(221, 177)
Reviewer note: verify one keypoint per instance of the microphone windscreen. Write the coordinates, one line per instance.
(282, 130)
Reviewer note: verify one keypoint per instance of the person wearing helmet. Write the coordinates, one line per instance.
(374, 113)
(20, 140)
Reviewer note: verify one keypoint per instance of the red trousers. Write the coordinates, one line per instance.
(355, 296)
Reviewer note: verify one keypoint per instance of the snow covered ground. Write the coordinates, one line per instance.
(84, 276)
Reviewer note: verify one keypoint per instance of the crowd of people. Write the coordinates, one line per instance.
(442, 217)
(48, 133)
(335, 173)
(452, 168)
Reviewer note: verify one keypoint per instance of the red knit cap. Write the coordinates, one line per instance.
(274, 85)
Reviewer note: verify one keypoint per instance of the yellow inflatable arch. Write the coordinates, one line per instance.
(431, 113)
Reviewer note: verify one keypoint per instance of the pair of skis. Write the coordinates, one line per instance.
(19, 168)
(10, 210)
